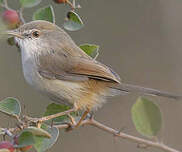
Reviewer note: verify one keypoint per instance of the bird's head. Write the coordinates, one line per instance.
(36, 33)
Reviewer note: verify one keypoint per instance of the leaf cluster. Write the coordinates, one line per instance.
(145, 114)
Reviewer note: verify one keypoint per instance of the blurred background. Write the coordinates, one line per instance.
(141, 40)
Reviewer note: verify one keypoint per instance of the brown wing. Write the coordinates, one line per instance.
(59, 65)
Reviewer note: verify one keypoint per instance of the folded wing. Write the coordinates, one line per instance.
(59, 65)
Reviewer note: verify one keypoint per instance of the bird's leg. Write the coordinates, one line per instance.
(70, 124)
(82, 118)
(76, 125)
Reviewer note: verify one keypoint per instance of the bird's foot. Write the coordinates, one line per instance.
(73, 124)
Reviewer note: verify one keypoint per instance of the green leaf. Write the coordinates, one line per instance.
(90, 49)
(29, 3)
(11, 41)
(74, 22)
(38, 132)
(26, 138)
(56, 108)
(42, 144)
(10, 106)
(146, 117)
(46, 13)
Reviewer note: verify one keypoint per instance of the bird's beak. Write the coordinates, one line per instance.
(14, 34)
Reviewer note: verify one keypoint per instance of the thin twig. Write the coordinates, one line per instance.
(117, 133)
(46, 118)
(5, 5)
(74, 4)
(21, 15)
(57, 115)
(70, 4)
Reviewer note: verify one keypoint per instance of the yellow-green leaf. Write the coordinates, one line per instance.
(38, 132)
(146, 117)
(11, 41)
(91, 49)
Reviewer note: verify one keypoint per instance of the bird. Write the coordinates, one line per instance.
(57, 67)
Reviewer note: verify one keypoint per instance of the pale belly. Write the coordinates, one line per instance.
(87, 95)
(57, 90)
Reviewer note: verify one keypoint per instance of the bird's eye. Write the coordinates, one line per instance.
(36, 34)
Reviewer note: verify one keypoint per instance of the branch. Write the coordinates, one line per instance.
(117, 133)
(5, 5)
(21, 15)
(72, 5)
(46, 118)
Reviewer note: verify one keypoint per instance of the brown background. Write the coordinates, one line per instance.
(141, 40)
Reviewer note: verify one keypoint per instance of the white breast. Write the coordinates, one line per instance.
(28, 63)
(53, 88)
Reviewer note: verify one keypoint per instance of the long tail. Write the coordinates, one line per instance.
(128, 88)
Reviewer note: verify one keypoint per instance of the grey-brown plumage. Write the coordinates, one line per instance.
(57, 67)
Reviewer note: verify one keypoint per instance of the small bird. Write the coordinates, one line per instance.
(55, 66)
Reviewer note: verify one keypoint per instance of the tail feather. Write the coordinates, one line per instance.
(128, 88)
